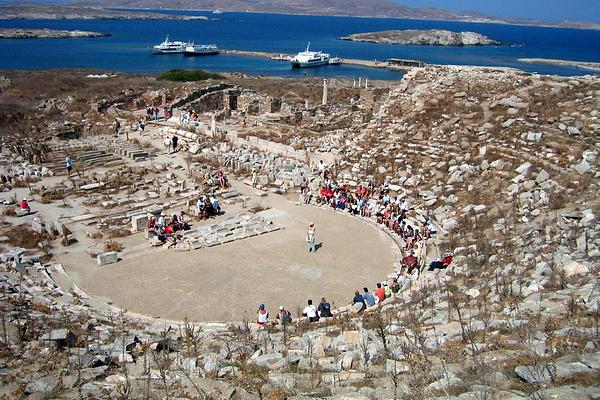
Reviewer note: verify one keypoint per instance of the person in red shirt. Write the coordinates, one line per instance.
(380, 293)
(25, 205)
(447, 260)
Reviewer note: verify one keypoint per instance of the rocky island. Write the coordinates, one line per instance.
(431, 37)
(10, 33)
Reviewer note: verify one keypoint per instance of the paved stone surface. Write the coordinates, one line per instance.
(222, 281)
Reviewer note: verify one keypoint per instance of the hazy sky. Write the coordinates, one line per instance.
(552, 10)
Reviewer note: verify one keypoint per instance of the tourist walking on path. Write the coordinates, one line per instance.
(117, 126)
(167, 144)
(311, 237)
(263, 315)
(69, 164)
(174, 142)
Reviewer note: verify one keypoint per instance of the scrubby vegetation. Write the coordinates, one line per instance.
(184, 75)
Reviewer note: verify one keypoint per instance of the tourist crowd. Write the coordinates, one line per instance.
(390, 212)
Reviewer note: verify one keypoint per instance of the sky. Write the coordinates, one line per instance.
(549, 10)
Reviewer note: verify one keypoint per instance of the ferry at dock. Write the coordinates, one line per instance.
(200, 49)
(168, 47)
(308, 58)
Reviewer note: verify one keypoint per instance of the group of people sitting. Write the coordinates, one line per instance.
(207, 206)
(312, 312)
(390, 211)
(164, 227)
(366, 299)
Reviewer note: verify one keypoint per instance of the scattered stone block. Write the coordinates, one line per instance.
(139, 222)
(62, 338)
(110, 257)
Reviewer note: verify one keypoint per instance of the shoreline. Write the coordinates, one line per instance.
(592, 66)
(596, 27)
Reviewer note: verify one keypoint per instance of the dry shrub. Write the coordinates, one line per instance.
(23, 236)
(111, 245)
(118, 232)
(9, 211)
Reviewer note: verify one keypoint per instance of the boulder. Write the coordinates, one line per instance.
(574, 268)
(542, 177)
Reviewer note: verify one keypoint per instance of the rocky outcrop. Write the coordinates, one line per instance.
(432, 37)
(47, 34)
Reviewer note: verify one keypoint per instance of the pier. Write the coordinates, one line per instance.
(392, 64)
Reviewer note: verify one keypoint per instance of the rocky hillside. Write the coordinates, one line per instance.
(434, 37)
(506, 163)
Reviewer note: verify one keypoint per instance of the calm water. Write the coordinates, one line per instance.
(127, 49)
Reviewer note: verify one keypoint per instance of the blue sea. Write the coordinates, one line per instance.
(127, 50)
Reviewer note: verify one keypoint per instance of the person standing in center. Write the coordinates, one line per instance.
(311, 237)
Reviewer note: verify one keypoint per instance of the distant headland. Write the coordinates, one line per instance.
(39, 11)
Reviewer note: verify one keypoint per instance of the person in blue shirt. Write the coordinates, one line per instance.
(368, 297)
(359, 299)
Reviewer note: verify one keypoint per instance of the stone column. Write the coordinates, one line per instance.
(366, 83)
(324, 92)
(213, 126)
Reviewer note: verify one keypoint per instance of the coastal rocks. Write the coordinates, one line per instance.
(434, 37)
(8, 33)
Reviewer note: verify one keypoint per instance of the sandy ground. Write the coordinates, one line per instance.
(224, 282)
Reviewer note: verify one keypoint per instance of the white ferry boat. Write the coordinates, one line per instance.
(309, 58)
(200, 49)
(168, 47)
(217, 11)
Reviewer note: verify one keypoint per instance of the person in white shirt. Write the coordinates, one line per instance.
(215, 204)
(161, 220)
(321, 167)
(310, 311)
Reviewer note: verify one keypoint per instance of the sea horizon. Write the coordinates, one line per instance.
(127, 49)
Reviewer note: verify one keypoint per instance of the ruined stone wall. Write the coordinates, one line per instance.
(268, 146)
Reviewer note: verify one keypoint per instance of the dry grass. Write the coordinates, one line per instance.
(9, 211)
(23, 236)
(112, 245)
(118, 233)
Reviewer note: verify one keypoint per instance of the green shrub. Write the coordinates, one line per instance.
(183, 75)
